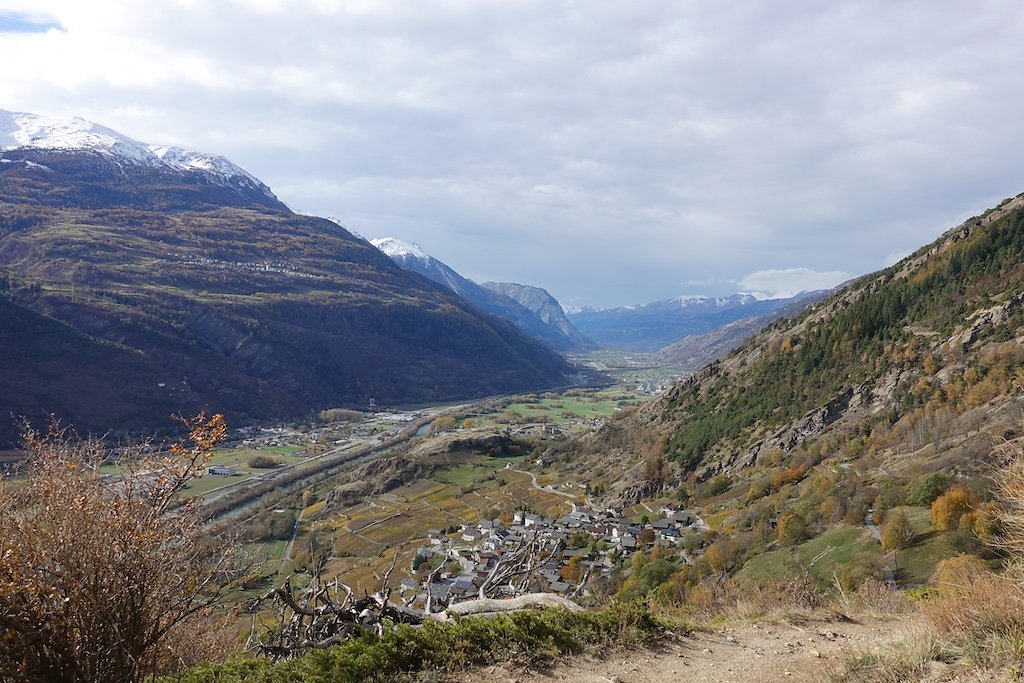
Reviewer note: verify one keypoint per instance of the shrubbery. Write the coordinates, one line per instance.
(262, 462)
(529, 637)
(97, 575)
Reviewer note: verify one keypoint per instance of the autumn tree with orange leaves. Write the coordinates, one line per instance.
(97, 572)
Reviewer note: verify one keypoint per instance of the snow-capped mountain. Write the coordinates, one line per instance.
(650, 327)
(741, 298)
(697, 350)
(412, 257)
(337, 221)
(21, 131)
(396, 248)
(165, 281)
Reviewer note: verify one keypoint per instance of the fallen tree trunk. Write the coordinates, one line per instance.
(325, 613)
(495, 605)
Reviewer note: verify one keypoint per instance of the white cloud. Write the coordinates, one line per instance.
(787, 282)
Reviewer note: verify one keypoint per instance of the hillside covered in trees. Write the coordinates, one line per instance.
(895, 361)
(174, 293)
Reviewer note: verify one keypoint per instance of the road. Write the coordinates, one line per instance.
(743, 651)
(890, 580)
(251, 490)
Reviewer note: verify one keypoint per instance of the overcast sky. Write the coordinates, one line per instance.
(613, 152)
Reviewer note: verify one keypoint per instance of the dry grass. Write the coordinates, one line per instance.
(973, 627)
(987, 604)
(792, 600)
(875, 599)
(911, 656)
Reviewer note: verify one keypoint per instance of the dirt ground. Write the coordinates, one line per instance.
(751, 652)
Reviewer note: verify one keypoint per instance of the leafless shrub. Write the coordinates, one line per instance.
(95, 571)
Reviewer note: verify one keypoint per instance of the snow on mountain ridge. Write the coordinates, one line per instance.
(337, 221)
(20, 130)
(393, 247)
(741, 298)
(185, 159)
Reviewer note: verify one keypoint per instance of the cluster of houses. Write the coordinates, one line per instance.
(556, 431)
(257, 437)
(655, 388)
(599, 539)
(250, 266)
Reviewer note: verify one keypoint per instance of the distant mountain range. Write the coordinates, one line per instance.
(531, 309)
(139, 280)
(695, 351)
(653, 326)
(688, 332)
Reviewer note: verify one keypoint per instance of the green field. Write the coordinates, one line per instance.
(825, 555)
(820, 557)
(561, 409)
(458, 476)
(477, 473)
(914, 565)
(237, 458)
(564, 409)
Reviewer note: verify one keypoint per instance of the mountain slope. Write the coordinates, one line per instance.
(50, 367)
(411, 257)
(655, 325)
(866, 347)
(917, 368)
(217, 292)
(544, 306)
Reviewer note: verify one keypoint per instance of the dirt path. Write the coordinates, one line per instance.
(546, 489)
(287, 555)
(755, 652)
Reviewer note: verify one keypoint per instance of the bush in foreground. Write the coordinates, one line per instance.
(98, 574)
(528, 637)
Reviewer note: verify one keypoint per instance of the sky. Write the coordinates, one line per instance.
(612, 152)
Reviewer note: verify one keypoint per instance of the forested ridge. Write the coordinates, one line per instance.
(892, 320)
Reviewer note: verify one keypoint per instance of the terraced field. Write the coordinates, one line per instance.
(366, 535)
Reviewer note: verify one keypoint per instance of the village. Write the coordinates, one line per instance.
(537, 554)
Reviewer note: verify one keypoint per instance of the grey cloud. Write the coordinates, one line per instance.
(606, 151)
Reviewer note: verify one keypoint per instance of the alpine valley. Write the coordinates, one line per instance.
(651, 327)
(773, 464)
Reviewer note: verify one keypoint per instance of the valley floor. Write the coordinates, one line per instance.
(813, 651)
